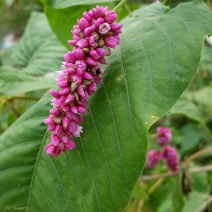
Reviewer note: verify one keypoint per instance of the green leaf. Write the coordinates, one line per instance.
(187, 108)
(200, 182)
(139, 192)
(192, 135)
(146, 75)
(13, 82)
(70, 3)
(201, 96)
(39, 51)
(63, 20)
(197, 202)
(162, 198)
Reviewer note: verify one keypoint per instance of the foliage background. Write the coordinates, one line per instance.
(35, 61)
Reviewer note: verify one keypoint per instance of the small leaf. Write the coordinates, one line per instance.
(201, 96)
(197, 202)
(139, 192)
(187, 108)
(192, 135)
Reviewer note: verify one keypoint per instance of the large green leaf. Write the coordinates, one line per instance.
(13, 82)
(39, 51)
(158, 56)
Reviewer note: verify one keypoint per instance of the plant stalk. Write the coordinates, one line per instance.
(119, 5)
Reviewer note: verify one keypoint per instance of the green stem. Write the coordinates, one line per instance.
(127, 8)
(204, 126)
(119, 5)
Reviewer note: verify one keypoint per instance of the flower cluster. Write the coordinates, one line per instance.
(164, 135)
(93, 38)
(168, 153)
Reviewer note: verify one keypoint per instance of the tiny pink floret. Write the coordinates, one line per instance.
(93, 37)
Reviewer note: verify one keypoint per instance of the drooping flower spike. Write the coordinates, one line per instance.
(168, 153)
(171, 158)
(164, 135)
(93, 38)
(153, 158)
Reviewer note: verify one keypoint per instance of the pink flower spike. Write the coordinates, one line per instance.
(171, 158)
(164, 135)
(153, 158)
(80, 73)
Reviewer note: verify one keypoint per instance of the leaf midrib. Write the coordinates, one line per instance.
(35, 168)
